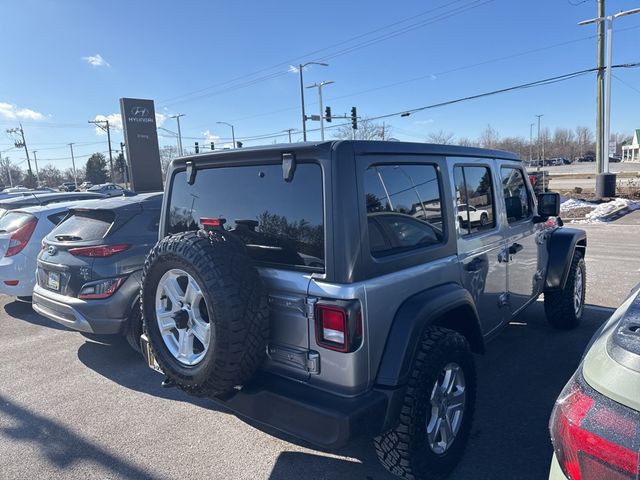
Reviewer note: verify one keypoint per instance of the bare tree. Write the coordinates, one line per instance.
(584, 138)
(489, 138)
(167, 153)
(466, 142)
(367, 130)
(10, 173)
(441, 137)
(50, 175)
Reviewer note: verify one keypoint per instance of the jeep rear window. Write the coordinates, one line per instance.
(84, 225)
(281, 223)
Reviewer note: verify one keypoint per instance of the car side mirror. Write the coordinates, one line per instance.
(549, 204)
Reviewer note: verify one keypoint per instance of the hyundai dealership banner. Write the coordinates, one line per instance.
(141, 140)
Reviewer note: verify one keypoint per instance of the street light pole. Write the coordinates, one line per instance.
(233, 132)
(605, 133)
(177, 117)
(304, 116)
(289, 130)
(319, 87)
(539, 157)
(530, 143)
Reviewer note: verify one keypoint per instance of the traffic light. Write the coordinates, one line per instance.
(239, 144)
(354, 118)
(327, 114)
(197, 148)
(212, 146)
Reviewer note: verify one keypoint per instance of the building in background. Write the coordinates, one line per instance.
(631, 153)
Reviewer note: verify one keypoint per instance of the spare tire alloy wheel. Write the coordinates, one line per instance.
(183, 320)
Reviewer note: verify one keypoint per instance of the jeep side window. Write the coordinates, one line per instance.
(403, 207)
(517, 198)
(474, 199)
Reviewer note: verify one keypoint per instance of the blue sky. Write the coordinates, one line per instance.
(64, 63)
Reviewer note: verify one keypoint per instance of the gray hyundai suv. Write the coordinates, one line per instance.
(341, 288)
(89, 269)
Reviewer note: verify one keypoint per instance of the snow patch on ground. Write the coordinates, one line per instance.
(600, 213)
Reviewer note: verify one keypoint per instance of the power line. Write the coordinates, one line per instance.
(626, 83)
(456, 11)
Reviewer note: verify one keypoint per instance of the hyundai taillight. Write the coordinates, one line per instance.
(20, 237)
(594, 437)
(101, 288)
(338, 325)
(98, 251)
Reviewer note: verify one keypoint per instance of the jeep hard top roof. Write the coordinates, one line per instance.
(360, 147)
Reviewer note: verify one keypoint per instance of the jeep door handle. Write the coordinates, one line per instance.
(474, 265)
(515, 248)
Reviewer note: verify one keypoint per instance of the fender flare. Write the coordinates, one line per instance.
(561, 247)
(416, 313)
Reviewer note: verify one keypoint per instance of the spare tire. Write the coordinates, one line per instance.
(205, 312)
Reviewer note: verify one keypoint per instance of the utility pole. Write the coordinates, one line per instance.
(177, 117)
(530, 143)
(106, 128)
(304, 116)
(289, 130)
(22, 143)
(125, 171)
(539, 154)
(73, 162)
(35, 161)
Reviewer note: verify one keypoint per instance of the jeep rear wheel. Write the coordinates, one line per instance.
(437, 411)
(564, 307)
(205, 312)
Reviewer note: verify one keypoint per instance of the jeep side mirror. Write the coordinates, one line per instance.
(549, 204)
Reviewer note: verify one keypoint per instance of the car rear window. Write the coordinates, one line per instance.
(280, 222)
(84, 225)
(13, 221)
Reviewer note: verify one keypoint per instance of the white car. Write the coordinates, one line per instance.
(477, 216)
(21, 234)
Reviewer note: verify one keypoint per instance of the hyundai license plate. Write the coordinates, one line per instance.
(148, 353)
(53, 280)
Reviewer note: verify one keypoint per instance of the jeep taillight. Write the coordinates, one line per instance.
(594, 437)
(338, 325)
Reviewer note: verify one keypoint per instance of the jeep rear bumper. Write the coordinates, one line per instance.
(318, 417)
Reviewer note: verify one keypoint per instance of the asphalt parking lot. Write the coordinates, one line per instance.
(75, 407)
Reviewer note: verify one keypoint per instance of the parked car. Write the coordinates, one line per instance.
(110, 189)
(35, 198)
(88, 274)
(67, 187)
(21, 234)
(374, 337)
(595, 423)
(85, 186)
(472, 215)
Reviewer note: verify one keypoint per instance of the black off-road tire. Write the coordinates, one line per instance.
(559, 304)
(404, 450)
(134, 328)
(236, 306)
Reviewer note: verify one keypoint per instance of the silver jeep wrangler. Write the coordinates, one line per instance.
(341, 288)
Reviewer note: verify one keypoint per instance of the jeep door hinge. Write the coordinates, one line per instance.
(313, 362)
(311, 308)
(503, 300)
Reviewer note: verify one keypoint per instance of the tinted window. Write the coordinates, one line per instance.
(280, 222)
(13, 221)
(516, 195)
(84, 225)
(474, 199)
(403, 206)
(56, 218)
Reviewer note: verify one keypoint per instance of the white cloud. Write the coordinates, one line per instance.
(115, 121)
(13, 112)
(96, 60)
(210, 137)
(424, 122)
(293, 69)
